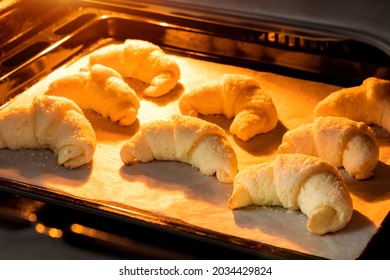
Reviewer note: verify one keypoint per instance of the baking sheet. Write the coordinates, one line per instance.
(177, 190)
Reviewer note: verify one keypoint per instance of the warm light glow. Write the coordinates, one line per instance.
(52, 232)
(32, 217)
(40, 228)
(163, 24)
(100, 235)
(79, 229)
(55, 233)
(76, 228)
(6, 3)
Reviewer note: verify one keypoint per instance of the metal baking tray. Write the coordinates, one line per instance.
(62, 43)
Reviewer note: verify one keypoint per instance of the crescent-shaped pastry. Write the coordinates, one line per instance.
(48, 122)
(235, 95)
(297, 182)
(186, 139)
(369, 103)
(100, 89)
(341, 141)
(143, 61)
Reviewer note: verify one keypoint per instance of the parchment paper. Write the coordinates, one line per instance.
(177, 190)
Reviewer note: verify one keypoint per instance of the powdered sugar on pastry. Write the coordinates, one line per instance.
(297, 182)
(100, 89)
(141, 60)
(187, 139)
(369, 103)
(50, 122)
(341, 141)
(235, 95)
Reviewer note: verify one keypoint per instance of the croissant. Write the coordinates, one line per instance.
(235, 95)
(50, 122)
(341, 141)
(186, 139)
(100, 89)
(297, 182)
(369, 103)
(143, 61)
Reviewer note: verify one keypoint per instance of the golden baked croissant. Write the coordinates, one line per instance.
(369, 103)
(143, 61)
(100, 89)
(235, 95)
(341, 141)
(50, 122)
(297, 182)
(191, 140)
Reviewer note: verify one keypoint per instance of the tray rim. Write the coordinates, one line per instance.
(149, 219)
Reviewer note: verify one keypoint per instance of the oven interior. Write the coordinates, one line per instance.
(42, 36)
(34, 43)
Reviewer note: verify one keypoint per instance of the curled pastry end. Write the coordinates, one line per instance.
(239, 198)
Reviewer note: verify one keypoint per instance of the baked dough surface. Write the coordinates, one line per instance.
(369, 103)
(202, 144)
(48, 122)
(297, 182)
(141, 60)
(343, 142)
(100, 89)
(235, 96)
